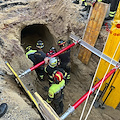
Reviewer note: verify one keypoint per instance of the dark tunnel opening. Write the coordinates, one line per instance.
(32, 33)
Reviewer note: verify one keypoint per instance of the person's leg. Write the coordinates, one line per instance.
(61, 106)
(83, 2)
(86, 6)
(57, 107)
(113, 9)
(40, 74)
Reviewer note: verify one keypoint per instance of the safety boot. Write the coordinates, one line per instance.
(3, 109)
(76, 1)
(109, 18)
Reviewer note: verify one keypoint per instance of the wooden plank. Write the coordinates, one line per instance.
(109, 49)
(47, 111)
(24, 87)
(92, 29)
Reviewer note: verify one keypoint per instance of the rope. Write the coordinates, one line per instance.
(89, 92)
(101, 83)
(94, 75)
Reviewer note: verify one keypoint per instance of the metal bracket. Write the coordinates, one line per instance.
(95, 51)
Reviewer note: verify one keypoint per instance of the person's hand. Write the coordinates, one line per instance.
(46, 59)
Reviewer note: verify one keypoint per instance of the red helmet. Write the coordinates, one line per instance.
(58, 77)
(50, 53)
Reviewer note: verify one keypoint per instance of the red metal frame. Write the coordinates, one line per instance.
(56, 54)
(82, 99)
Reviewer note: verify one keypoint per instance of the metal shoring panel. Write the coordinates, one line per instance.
(94, 50)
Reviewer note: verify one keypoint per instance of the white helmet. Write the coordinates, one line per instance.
(53, 62)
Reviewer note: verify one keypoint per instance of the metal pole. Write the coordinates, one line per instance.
(111, 88)
(106, 86)
(82, 99)
(41, 63)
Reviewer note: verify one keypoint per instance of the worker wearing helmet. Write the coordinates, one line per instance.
(30, 53)
(51, 52)
(53, 66)
(64, 59)
(55, 93)
(39, 57)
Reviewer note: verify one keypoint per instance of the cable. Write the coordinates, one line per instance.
(91, 85)
(89, 92)
(101, 83)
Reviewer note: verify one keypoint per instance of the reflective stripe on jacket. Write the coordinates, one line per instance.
(30, 52)
(56, 88)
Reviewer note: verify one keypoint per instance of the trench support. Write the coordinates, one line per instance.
(41, 63)
(43, 107)
(83, 98)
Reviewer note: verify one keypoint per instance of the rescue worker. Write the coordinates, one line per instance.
(39, 57)
(55, 93)
(3, 109)
(51, 52)
(64, 59)
(113, 7)
(30, 53)
(53, 66)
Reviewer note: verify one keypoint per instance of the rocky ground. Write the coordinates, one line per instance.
(61, 17)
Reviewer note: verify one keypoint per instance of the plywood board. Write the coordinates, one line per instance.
(92, 29)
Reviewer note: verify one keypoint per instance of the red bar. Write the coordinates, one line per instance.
(56, 54)
(94, 88)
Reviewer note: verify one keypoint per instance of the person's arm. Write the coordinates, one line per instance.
(50, 96)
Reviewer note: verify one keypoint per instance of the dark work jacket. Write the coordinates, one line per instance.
(50, 71)
(65, 57)
(39, 56)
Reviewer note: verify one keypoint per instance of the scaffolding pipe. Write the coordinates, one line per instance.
(56, 54)
(82, 99)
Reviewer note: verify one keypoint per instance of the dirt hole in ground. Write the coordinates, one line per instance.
(32, 33)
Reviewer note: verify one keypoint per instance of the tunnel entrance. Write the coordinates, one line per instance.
(32, 33)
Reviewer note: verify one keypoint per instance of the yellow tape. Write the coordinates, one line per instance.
(24, 87)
